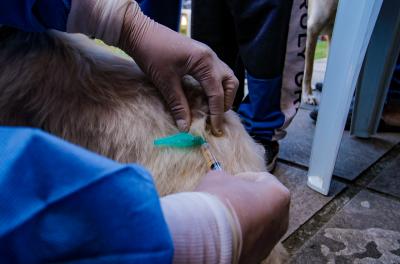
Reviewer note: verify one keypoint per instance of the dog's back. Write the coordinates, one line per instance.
(70, 87)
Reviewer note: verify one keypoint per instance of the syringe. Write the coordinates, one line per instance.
(212, 162)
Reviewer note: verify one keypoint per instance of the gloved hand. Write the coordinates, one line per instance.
(260, 202)
(164, 55)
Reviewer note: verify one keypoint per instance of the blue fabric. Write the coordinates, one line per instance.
(37, 15)
(252, 34)
(167, 12)
(59, 203)
(53, 14)
(19, 14)
(260, 110)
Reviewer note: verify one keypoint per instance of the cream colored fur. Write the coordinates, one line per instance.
(321, 18)
(70, 87)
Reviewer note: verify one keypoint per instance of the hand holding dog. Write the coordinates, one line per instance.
(166, 56)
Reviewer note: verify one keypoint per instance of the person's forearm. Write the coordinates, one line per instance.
(203, 229)
(119, 23)
(101, 19)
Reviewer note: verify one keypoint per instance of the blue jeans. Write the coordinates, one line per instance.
(252, 37)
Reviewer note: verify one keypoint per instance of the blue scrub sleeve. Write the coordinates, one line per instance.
(38, 15)
(61, 203)
(167, 12)
(35, 15)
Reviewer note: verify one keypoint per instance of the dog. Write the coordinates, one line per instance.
(68, 86)
(321, 19)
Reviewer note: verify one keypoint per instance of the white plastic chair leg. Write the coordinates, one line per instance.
(355, 21)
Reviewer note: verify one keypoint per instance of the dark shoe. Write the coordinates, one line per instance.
(314, 114)
(318, 86)
(271, 153)
(383, 127)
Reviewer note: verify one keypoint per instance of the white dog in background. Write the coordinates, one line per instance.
(321, 18)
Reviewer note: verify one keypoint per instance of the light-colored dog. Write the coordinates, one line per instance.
(321, 18)
(70, 87)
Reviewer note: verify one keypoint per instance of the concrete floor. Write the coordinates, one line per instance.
(359, 222)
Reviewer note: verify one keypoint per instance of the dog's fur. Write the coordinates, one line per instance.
(70, 87)
(321, 18)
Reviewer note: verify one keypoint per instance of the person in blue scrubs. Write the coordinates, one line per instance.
(61, 203)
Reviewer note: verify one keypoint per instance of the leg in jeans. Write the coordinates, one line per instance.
(259, 30)
(213, 24)
(262, 28)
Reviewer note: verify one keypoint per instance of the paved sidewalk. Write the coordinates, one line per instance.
(359, 222)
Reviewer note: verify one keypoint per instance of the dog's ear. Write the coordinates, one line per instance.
(198, 103)
(196, 97)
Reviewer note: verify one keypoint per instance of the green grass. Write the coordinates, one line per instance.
(321, 51)
(114, 50)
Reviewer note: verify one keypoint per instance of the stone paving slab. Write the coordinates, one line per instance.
(388, 180)
(366, 230)
(355, 155)
(305, 202)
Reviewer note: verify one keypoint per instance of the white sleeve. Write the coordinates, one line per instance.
(203, 229)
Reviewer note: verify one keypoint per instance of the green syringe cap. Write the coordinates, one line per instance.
(180, 140)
